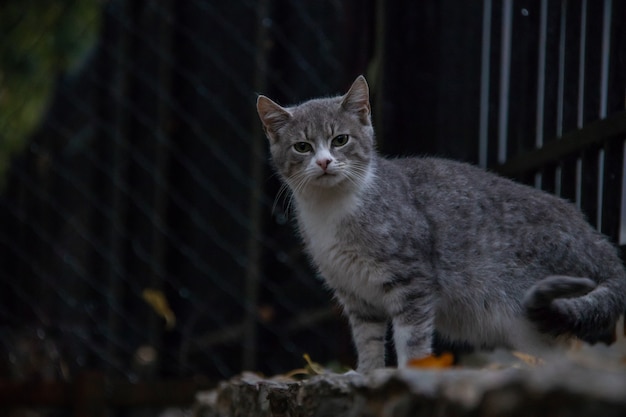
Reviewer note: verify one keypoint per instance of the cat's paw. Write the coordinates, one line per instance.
(352, 372)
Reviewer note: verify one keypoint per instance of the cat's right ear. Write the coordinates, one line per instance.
(357, 100)
(272, 116)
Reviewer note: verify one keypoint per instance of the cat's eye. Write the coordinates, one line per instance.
(302, 147)
(339, 140)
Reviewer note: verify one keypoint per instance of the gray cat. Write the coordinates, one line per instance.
(431, 244)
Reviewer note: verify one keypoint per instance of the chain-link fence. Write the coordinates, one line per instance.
(140, 230)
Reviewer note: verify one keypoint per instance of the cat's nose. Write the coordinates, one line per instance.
(323, 163)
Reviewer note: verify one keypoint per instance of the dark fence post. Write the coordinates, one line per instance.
(255, 210)
(162, 164)
(120, 160)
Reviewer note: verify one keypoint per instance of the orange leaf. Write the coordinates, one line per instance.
(445, 360)
(528, 359)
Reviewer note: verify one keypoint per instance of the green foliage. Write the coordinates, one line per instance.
(38, 41)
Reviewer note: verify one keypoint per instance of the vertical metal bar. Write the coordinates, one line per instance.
(561, 84)
(606, 49)
(580, 117)
(541, 72)
(538, 180)
(579, 182)
(253, 270)
(378, 76)
(483, 134)
(558, 172)
(600, 197)
(541, 82)
(505, 75)
(604, 88)
(581, 65)
(622, 217)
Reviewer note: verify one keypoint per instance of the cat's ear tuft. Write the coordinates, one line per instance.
(357, 100)
(272, 116)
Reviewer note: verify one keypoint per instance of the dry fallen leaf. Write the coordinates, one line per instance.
(314, 367)
(311, 368)
(445, 360)
(528, 359)
(159, 303)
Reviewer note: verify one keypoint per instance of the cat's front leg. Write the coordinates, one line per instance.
(413, 328)
(369, 328)
(368, 333)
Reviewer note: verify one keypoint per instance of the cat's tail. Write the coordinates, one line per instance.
(564, 305)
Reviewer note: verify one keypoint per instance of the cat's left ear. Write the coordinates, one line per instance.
(272, 116)
(357, 100)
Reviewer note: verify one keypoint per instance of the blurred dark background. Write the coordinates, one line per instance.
(137, 235)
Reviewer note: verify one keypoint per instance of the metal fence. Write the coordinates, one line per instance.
(139, 230)
(559, 69)
(138, 233)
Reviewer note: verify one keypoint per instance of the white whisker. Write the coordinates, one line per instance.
(284, 188)
(294, 185)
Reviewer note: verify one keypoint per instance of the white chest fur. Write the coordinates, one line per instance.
(319, 221)
(341, 263)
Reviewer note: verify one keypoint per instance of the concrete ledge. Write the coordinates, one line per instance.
(563, 389)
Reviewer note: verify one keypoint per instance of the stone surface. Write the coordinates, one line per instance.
(560, 389)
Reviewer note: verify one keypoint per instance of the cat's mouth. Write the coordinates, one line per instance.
(327, 176)
(328, 179)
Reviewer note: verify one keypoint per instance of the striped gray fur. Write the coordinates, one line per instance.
(432, 244)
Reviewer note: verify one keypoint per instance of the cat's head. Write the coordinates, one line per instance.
(322, 143)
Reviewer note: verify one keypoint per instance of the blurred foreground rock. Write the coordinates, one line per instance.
(558, 389)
